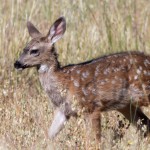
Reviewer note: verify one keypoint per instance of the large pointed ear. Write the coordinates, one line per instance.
(57, 30)
(33, 31)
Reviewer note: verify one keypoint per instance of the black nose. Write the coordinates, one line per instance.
(18, 65)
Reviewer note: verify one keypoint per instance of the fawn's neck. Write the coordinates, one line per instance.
(48, 75)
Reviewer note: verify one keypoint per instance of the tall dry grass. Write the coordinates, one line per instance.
(94, 28)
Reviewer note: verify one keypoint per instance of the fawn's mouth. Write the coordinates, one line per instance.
(19, 66)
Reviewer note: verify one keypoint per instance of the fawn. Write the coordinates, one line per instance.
(119, 81)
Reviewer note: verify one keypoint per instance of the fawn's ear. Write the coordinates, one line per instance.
(33, 31)
(57, 30)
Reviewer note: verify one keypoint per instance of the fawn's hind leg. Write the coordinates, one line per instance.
(133, 114)
(95, 118)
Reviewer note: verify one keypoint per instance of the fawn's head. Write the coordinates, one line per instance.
(41, 48)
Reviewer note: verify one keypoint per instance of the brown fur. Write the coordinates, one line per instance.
(118, 81)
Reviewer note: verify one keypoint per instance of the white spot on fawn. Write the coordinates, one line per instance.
(97, 71)
(94, 91)
(76, 83)
(140, 67)
(85, 74)
(106, 71)
(131, 61)
(124, 60)
(68, 71)
(85, 92)
(78, 71)
(73, 68)
(71, 78)
(132, 85)
(147, 73)
(102, 82)
(116, 69)
(106, 79)
(116, 77)
(138, 71)
(135, 77)
(129, 66)
(113, 81)
(143, 86)
(146, 62)
(43, 68)
(130, 78)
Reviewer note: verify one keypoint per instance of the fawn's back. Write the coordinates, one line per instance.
(111, 82)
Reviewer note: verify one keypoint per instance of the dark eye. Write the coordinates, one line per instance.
(34, 51)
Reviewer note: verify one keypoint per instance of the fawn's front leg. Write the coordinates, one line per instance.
(61, 115)
(57, 124)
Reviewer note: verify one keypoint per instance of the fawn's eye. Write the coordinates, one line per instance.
(34, 51)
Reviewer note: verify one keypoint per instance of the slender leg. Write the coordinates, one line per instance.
(57, 124)
(133, 114)
(96, 124)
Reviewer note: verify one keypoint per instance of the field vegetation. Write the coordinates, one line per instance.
(94, 28)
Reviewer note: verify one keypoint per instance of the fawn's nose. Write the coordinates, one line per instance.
(18, 65)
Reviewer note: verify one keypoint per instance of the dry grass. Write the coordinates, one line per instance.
(94, 28)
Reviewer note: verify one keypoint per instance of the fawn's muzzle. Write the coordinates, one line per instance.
(18, 65)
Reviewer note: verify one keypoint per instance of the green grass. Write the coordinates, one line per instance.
(94, 28)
